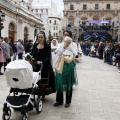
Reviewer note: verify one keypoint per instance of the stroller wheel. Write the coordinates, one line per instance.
(6, 115)
(24, 116)
(39, 105)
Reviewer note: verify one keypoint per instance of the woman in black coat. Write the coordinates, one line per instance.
(41, 53)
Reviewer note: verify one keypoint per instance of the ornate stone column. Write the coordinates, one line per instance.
(78, 20)
(20, 34)
(65, 19)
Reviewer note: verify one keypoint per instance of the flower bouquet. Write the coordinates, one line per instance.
(30, 59)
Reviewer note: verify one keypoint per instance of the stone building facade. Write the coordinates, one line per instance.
(77, 11)
(20, 22)
(44, 10)
(55, 26)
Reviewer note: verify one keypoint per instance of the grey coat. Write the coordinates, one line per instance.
(7, 48)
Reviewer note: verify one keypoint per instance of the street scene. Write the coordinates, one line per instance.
(96, 97)
(59, 60)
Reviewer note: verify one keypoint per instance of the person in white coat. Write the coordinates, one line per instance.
(79, 53)
(54, 46)
(65, 79)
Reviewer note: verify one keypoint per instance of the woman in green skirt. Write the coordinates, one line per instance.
(65, 76)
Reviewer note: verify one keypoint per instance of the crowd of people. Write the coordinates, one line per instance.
(11, 51)
(107, 51)
(57, 59)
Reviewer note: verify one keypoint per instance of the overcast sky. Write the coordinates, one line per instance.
(59, 4)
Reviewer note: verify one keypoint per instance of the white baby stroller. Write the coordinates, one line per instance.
(23, 83)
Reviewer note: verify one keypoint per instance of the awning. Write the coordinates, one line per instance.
(98, 21)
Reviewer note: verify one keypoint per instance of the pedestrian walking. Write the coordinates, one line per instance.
(2, 56)
(100, 50)
(20, 49)
(28, 46)
(41, 53)
(117, 54)
(8, 51)
(54, 46)
(65, 78)
(79, 52)
(14, 50)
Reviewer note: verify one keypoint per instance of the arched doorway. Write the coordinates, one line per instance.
(71, 20)
(26, 34)
(12, 32)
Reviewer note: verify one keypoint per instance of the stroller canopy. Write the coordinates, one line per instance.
(19, 74)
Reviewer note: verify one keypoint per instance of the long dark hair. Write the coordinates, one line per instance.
(36, 41)
(43, 33)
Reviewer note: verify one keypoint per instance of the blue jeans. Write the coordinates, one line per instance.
(109, 58)
(14, 56)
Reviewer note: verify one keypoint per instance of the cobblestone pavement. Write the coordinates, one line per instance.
(97, 97)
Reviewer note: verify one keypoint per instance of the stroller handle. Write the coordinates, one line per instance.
(41, 67)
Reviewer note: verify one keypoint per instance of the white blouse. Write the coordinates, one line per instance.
(71, 49)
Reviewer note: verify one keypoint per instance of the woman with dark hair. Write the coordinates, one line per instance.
(66, 77)
(68, 33)
(41, 53)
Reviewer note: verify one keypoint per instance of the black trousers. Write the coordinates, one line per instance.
(59, 96)
(5, 63)
(20, 56)
(1, 64)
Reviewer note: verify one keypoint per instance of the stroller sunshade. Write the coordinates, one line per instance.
(19, 74)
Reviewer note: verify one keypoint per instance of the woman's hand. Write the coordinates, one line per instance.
(39, 62)
(66, 45)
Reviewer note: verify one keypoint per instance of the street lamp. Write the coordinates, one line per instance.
(49, 34)
(2, 18)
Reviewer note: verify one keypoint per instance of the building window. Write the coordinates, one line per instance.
(71, 7)
(84, 7)
(26, 33)
(96, 6)
(71, 21)
(108, 6)
(54, 34)
(36, 10)
(54, 27)
(12, 32)
(50, 21)
(55, 22)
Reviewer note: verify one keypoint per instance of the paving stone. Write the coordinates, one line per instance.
(97, 96)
